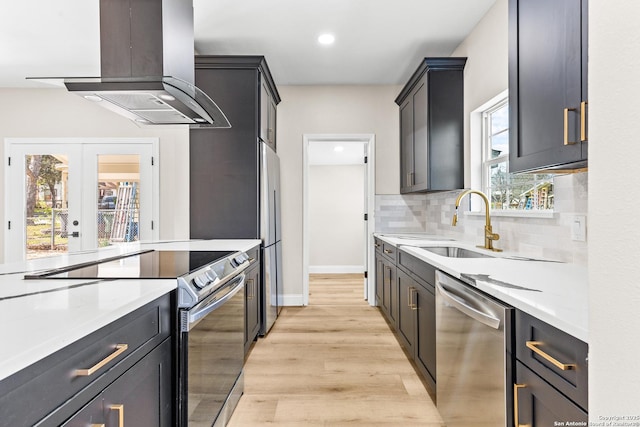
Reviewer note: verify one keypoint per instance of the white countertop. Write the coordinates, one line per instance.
(40, 317)
(555, 292)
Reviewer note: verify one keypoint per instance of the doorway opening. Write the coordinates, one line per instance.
(338, 207)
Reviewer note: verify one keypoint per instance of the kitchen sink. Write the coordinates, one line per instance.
(455, 252)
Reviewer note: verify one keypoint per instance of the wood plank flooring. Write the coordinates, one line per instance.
(333, 363)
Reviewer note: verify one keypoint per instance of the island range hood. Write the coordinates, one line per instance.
(147, 65)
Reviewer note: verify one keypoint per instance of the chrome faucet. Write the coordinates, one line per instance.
(489, 235)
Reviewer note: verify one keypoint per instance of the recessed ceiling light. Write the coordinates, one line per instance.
(326, 39)
(338, 148)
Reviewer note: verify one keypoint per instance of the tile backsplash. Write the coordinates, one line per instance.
(548, 238)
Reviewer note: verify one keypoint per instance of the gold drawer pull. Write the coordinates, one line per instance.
(387, 251)
(120, 409)
(583, 120)
(120, 348)
(516, 387)
(97, 425)
(533, 345)
(566, 126)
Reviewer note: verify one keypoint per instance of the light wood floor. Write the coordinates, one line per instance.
(332, 363)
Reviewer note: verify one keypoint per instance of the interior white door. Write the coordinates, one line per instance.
(71, 195)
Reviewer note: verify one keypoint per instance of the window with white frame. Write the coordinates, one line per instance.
(507, 191)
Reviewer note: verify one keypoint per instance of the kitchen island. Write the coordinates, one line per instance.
(74, 344)
(40, 317)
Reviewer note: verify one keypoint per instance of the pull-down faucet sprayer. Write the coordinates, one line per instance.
(489, 235)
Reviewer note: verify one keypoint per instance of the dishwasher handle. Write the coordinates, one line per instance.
(463, 306)
(195, 315)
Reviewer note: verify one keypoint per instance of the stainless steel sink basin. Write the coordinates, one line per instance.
(455, 252)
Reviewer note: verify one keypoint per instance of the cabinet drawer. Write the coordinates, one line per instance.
(377, 245)
(538, 344)
(142, 395)
(540, 405)
(389, 251)
(418, 268)
(57, 378)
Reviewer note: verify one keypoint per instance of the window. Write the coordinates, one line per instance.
(506, 191)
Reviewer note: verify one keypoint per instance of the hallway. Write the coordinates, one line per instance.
(332, 363)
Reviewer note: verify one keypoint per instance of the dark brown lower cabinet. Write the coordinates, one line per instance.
(416, 324)
(141, 397)
(386, 288)
(538, 404)
(252, 306)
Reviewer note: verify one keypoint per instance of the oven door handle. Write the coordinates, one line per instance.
(199, 312)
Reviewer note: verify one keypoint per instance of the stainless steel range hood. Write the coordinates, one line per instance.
(147, 65)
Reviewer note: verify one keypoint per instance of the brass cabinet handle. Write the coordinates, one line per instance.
(533, 345)
(387, 251)
(515, 404)
(377, 245)
(412, 305)
(97, 425)
(120, 409)
(583, 120)
(250, 293)
(566, 126)
(120, 348)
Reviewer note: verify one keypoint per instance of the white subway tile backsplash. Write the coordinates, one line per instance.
(548, 238)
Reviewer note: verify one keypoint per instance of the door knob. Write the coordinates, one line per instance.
(75, 222)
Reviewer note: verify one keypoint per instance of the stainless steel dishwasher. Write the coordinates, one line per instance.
(473, 355)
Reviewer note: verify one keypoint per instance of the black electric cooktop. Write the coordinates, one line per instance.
(142, 265)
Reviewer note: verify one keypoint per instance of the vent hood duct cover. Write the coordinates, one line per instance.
(147, 65)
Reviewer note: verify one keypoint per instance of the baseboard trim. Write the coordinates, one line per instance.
(294, 300)
(335, 269)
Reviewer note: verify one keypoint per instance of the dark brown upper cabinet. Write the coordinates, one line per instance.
(431, 127)
(547, 85)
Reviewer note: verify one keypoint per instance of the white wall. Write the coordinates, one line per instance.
(336, 226)
(329, 110)
(57, 113)
(487, 68)
(614, 189)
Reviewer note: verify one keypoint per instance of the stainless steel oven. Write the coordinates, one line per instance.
(211, 356)
(211, 321)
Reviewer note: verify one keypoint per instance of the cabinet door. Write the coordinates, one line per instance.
(141, 397)
(252, 307)
(425, 345)
(421, 170)
(546, 49)
(389, 297)
(271, 128)
(379, 280)
(264, 111)
(540, 405)
(406, 146)
(406, 310)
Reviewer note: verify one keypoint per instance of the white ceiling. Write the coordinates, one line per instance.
(377, 41)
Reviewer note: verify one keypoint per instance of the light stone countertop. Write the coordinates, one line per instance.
(554, 292)
(40, 317)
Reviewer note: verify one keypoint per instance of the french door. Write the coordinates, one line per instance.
(68, 195)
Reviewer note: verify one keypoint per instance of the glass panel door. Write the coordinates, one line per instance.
(69, 196)
(121, 198)
(43, 204)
